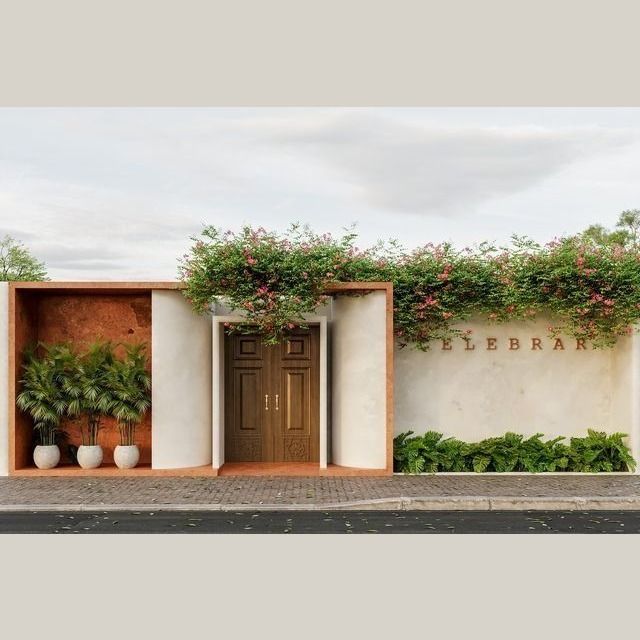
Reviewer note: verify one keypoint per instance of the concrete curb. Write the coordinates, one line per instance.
(428, 503)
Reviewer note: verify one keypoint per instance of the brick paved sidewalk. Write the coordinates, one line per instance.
(395, 492)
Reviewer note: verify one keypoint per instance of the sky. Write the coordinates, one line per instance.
(116, 194)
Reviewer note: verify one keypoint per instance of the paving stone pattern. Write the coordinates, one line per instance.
(303, 491)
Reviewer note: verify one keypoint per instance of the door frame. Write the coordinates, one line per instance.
(218, 378)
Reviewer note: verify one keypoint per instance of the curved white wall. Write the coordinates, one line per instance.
(181, 383)
(358, 381)
(4, 381)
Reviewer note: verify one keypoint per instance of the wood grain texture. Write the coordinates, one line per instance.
(272, 398)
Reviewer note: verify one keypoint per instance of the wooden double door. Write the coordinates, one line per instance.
(272, 398)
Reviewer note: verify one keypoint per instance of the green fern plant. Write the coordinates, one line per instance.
(47, 388)
(453, 455)
(407, 453)
(129, 384)
(596, 452)
(599, 451)
(89, 389)
(430, 451)
(537, 456)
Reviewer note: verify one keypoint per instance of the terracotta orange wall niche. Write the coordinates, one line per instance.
(78, 316)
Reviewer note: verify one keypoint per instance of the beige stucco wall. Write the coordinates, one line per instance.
(481, 393)
(4, 381)
(181, 383)
(358, 381)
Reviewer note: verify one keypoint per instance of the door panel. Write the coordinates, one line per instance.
(272, 398)
(245, 417)
(297, 422)
(247, 348)
(296, 403)
(247, 391)
(297, 347)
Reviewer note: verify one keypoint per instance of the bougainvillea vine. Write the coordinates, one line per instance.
(589, 291)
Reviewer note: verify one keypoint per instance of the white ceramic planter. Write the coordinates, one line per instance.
(46, 456)
(89, 456)
(126, 456)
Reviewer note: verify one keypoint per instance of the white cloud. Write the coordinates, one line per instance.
(444, 170)
(116, 193)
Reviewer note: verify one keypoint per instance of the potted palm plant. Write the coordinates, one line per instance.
(92, 398)
(46, 393)
(130, 386)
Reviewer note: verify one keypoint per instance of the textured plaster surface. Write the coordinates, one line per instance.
(81, 319)
(480, 392)
(181, 402)
(358, 381)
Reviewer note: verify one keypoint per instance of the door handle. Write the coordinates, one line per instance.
(266, 402)
(277, 402)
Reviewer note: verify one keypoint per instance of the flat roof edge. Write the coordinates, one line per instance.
(94, 285)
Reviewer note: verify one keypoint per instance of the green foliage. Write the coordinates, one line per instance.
(629, 223)
(626, 233)
(592, 289)
(600, 452)
(45, 389)
(90, 393)
(599, 235)
(130, 384)
(59, 381)
(273, 279)
(430, 453)
(17, 263)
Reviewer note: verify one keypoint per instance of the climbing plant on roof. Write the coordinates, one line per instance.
(590, 291)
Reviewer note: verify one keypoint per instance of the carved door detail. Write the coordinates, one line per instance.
(272, 400)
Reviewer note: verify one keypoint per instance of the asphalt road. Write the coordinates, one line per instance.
(322, 522)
